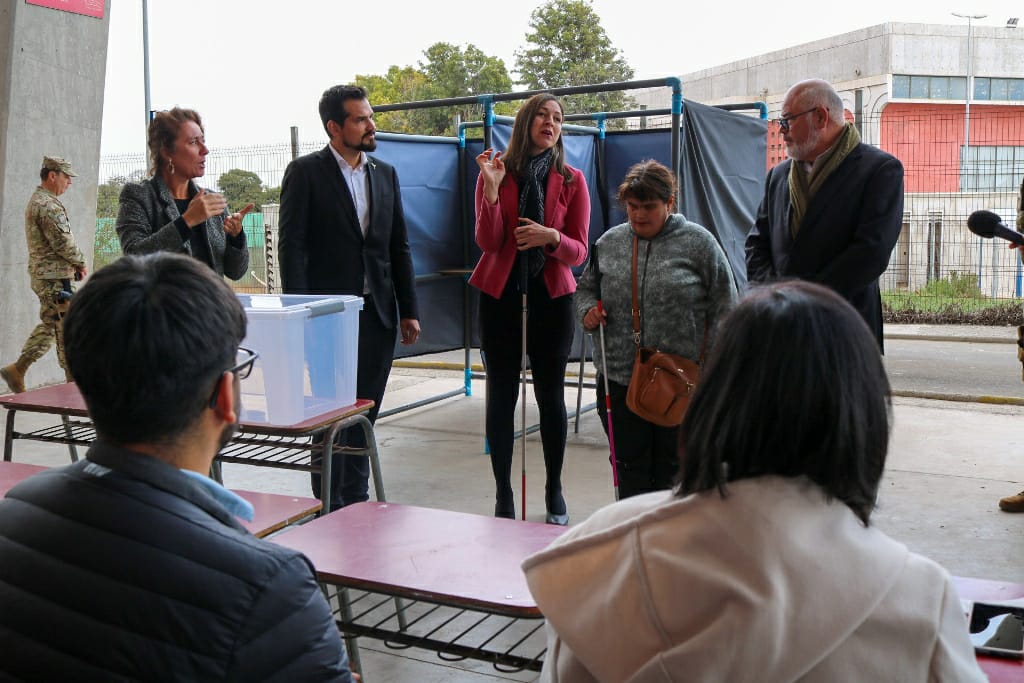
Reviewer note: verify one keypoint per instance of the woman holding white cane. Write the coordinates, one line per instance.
(532, 221)
(684, 286)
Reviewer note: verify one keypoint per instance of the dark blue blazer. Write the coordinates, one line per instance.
(322, 248)
(847, 235)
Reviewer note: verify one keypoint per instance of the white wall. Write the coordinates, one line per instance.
(52, 80)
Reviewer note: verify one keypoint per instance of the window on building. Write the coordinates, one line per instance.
(931, 87)
(901, 86)
(939, 88)
(982, 88)
(987, 168)
(919, 87)
(1001, 89)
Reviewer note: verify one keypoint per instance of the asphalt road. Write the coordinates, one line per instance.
(954, 368)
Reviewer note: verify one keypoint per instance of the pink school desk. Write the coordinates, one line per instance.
(257, 443)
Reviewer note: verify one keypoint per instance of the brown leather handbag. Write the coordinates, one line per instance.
(662, 383)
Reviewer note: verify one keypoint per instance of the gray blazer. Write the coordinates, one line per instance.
(145, 224)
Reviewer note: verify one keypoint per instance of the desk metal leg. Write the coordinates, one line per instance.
(370, 451)
(351, 642)
(326, 455)
(9, 436)
(70, 434)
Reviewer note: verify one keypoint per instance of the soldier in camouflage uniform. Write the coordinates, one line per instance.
(53, 262)
(1016, 503)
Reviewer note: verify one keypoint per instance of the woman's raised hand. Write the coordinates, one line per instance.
(233, 223)
(492, 170)
(202, 206)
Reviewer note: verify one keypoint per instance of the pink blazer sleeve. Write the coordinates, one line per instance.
(490, 224)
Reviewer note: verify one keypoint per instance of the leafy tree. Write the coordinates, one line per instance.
(447, 71)
(400, 84)
(107, 197)
(454, 72)
(272, 195)
(567, 46)
(243, 187)
(106, 245)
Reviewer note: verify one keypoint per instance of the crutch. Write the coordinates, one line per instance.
(524, 281)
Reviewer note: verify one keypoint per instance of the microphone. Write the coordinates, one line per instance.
(988, 224)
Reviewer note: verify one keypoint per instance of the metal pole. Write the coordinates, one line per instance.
(145, 68)
(967, 124)
(295, 142)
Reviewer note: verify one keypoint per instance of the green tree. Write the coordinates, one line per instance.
(455, 72)
(399, 84)
(568, 46)
(272, 195)
(241, 188)
(107, 197)
(106, 245)
(447, 71)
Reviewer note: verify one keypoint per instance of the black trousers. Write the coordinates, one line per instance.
(350, 474)
(647, 456)
(549, 330)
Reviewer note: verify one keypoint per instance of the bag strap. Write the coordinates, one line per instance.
(703, 344)
(636, 299)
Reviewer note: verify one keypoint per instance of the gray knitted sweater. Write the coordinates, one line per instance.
(683, 281)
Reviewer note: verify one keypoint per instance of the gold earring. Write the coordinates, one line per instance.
(170, 162)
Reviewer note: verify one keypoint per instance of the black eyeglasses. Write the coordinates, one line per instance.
(785, 120)
(245, 359)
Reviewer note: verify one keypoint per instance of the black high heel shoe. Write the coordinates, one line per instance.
(505, 506)
(555, 501)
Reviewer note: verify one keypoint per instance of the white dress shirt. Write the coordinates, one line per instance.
(358, 186)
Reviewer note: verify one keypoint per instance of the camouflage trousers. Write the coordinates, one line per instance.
(50, 329)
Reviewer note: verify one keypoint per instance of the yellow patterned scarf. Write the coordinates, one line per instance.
(801, 192)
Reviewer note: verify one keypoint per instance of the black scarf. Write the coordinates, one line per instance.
(531, 203)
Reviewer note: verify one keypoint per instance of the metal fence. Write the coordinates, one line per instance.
(937, 263)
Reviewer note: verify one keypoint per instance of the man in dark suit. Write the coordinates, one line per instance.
(832, 212)
(342, 231)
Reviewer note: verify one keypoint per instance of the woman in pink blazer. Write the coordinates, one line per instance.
(532, 220)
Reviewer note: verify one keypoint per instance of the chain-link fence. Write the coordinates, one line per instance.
(938, 270)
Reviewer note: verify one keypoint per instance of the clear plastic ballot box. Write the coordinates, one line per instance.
(308, 348)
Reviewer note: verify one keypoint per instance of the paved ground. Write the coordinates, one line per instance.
(949, 462)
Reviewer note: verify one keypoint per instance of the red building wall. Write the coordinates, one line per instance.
(927, 138)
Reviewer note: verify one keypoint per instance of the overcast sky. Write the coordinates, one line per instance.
(253, 69)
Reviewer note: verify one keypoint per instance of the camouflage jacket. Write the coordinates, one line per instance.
(52, 253)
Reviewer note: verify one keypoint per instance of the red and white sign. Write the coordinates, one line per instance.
(90, 8)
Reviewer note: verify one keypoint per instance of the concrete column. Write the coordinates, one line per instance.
(52, 81)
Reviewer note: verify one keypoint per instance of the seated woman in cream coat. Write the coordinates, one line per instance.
(761, 565)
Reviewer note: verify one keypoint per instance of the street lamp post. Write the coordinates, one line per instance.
(967, 120)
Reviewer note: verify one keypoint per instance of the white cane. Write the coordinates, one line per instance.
(524, 284)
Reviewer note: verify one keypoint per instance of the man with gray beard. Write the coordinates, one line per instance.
(832, 212)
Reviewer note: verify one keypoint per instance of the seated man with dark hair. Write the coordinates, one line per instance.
(130, 563)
